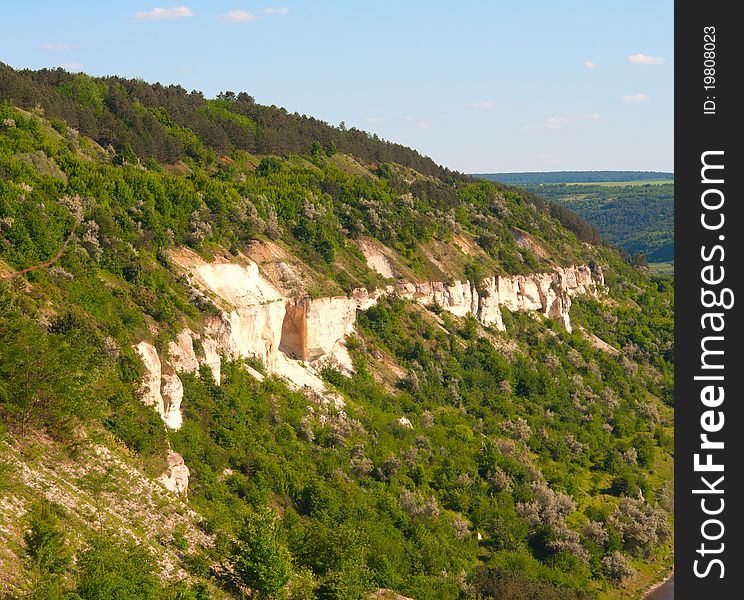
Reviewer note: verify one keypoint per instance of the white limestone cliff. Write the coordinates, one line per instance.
(294, 336)
(251, 310)
(161, 387)
(256, 320)
(317, 328)
(181, 353)
(183, 357)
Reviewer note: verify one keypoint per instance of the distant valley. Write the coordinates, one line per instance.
(633, 210)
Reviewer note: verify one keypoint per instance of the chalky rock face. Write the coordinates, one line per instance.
(181, 353)
(489, 305)
(161, 387)
(317, 328)
(176, 476)
(212, 357)
(256, 320)
(547, 293)
(171, 389)
(459, 298)
(183, 357)
(151, 377)
(250, 323)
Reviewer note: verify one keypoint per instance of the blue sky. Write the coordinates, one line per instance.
(477, 85)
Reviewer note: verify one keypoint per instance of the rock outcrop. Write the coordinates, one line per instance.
(183, 357)
(251, 311)
(292, 336)
(176, 477)
(255, 320)
(181, 353)
(161, 387)
(317, 328)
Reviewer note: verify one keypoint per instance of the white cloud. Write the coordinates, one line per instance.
(58, 46)
(588, 64)
(72, 66)
(374, 120)
(424, 124)
(238, 16)
(558, 122)
(634, 98)
(482, 105)
(584, 116)
(275, 11)
(645, 59)
(162, 14)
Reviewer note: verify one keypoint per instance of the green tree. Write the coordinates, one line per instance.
(261, 560)
(110, 571)
(45, 539)
(43, 378)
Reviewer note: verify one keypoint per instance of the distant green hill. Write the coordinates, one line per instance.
(637, 218)
(633, 210)
(538, 177)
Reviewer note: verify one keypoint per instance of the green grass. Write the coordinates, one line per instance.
(662, 268)
(624, 183)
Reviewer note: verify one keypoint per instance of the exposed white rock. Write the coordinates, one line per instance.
(253, 373)
(171, 389)
(304, 377)
(161, 387)
(183, 357)
(256, 320)
(151, 377)
(317, 328)
(404, 423)
(176, 477)
(459, 298)
(250, 323)
(181, 353)
(376, 259)
(212, 357)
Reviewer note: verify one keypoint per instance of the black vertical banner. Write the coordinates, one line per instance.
(709, 251)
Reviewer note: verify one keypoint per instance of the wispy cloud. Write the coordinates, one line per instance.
(482, 105)
(559, 122)
(645, 59)
(423, 124)
(238, 16)
(634, 98)
(72, 66)
(556, 122)
(58, 46)
(591, 65)
(373, 120)
(163, 14)
(275, 11)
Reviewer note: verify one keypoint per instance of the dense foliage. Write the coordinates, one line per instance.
(636, 218)
(169, 123)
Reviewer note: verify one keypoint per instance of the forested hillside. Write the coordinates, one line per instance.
(637, 218)
(511, 442)
(632, 210)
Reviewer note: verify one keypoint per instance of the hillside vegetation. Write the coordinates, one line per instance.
(461, 461)
(632, 210)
